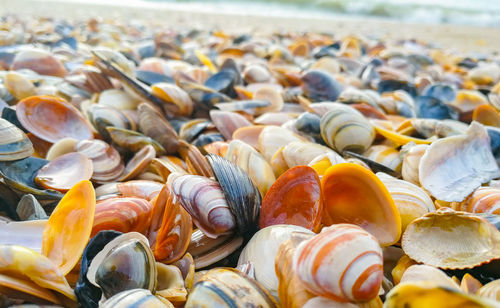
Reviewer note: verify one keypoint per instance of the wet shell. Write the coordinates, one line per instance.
(123, 214)
(106, 161)
(412, 202)
(244, 199)
(14, 144)
(302, 153)
(262, 249)
(385, 155)
(227, 287)
(155, 126)
(357, 258)
(248, 159)
(482, 200)
(454, 167)
(227, 122)
(272, 138)
(64, 172)
(451, 240)
(345, 128)
(353, 194)
(204, 200)
(411, 160)
(51, 118)
(295, 198)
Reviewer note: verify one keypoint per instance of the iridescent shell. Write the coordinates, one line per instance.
(204, 200)
(343, 263)
(345, 128)
(451, 240)
(353, 194)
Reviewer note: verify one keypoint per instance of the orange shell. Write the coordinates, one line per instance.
(487, 115)
(353, 194)
(68, 228)
(295, 199)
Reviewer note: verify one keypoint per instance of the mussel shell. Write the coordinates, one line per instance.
(29, 208)
(88, 294)
(103, 116)
(309, 123)
(433, 108)
(20, 175)
(243, 199)
(320, 86)
(8, 201)
(223, 82)
(14, 144)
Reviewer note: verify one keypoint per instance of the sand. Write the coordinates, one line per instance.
(457, 37)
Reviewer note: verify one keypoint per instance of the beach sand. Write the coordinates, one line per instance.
(457, 37)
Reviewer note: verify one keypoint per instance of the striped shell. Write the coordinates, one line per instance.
(228, 122)
(299, 153)
(204, 200)
(172, 94)
(106, 161)
(345, 128)
(122, 214)
(482, 200)
(343, 263)
(412, 202)
(409, 169)
(272, 138)
(385, 155)
(139, 298)
(14, 144)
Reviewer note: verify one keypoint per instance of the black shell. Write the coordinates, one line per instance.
(223, 82)
(320, 86)
(242, 196)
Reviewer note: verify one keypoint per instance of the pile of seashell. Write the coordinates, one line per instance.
(145, 167)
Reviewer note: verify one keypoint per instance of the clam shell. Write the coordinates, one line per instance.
(14, 143)
(324, 161)
(411, 160)
(268, 94)
(418, 273)
(172, 94)
(345, 128)
(133, 141)
(204, 200)
(295, 198)
(319, 85)
(454, 167)
(18, 85)
(106, 161)
(136, 188)
(272, 138)
(490, 290)
(139, 298)
(25, 290)
(261, 251)
(298, 153)
(27, 233)
(482, 200)
(207, 251)
(40, 61)
(139, 162)
(153, 125)
(195, 161)
(357, 273)
(61, 147)
(117, 99)
(103, 116)
(244, 199)
(249, 135)
(29, 208)
(227, 122)
(451, 240)
(51, 118)
(385, 155)
(353, 194)
(171, 284)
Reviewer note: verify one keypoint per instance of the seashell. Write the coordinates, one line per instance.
(217, 148)
(441, 91)
(244, 199)
(138, 163)
(204, 96)
(385, 155)
(61, 147)
(125, 263)
(298, 153)
(40, 146)
(14, 143)
(18, 85)
(136, 188)
(153, 125)
(170, 284)
(195, 161)
(440, 128)
(117, 99)
(411, 160)
(324, 161)
(309, 124)
(223, 81)
(490, 290)
(249, 135)
(207, 251)
(484, 73)
(227, 287)
(344, 128)
(268, 94)
(227, 122)
(88, 295)
(327, 64)
(419, 273)
(39, 61)
(186, 265)
(467, 100)
(133, 141)
(23, 263)
(486, 115)
(401, 266)
(353, 251)
(25, 290)
(174, 95)
(193, 128)
(103, 116)
(28, 233)
(353, 194)
(433, 108)
(399, 139)
(170, 229)
(248, 159)
(255, 74)
(63, 245)
(247, 106)
(454, 167)
(412, 202)
(29, 208)
(470, 284)
(204, 200)
(106, 161)
(139, 298)
(278, 162)
(19, 176)
(428, 294)
(295, 198)
(482, 200)
(51, 118)
(459, 240)
(272, 138)
(64, 172)
(123, 214)
(320, 85)
(262, 249)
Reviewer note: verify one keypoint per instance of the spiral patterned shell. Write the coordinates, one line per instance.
(343, 263)
(345, 128)
(204, 200)
(482, 200)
